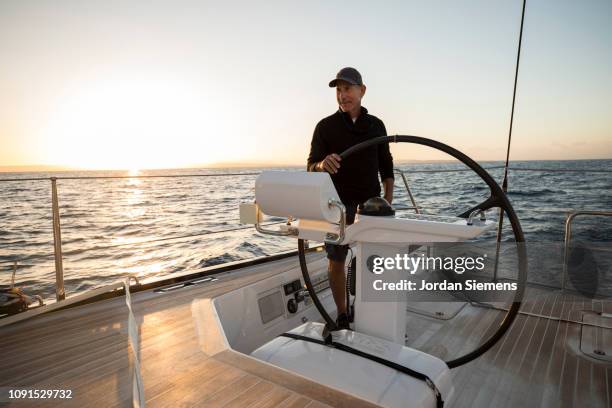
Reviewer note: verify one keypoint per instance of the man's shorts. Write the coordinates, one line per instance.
(338, 252)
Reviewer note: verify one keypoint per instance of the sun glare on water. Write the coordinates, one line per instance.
(132, 124)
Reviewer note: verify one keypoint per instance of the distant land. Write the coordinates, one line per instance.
(246, 164)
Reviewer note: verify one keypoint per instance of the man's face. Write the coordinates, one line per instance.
(349, 96)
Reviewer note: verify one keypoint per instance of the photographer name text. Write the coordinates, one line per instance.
(407, 285)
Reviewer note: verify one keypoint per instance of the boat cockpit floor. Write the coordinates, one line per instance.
(546, 359)
(540, 362)
(85, 349)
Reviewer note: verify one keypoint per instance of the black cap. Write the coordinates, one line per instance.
(348, 74)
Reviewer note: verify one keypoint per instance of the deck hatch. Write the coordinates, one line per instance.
(596, 336)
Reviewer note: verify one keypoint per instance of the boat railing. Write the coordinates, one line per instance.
(57, 238)
(60, 292)
(402, 173)
(568, 236)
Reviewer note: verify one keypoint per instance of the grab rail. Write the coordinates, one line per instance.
(568, 236)
(414, 205)
(60, 292)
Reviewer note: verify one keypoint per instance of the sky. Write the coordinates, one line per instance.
(160, 84)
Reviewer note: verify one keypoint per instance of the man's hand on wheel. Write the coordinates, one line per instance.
(330, 164)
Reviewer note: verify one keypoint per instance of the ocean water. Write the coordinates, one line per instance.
(159, 226)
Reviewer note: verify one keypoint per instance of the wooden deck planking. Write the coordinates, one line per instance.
(519, 395)
(518, 363)
(261, 389)
(233, 390)
(537, 364)
(102, 316)
(499, 356)
(114, 349)
(86, 349)
(90, 349)
(194, 384)
(465, 378)
(294, 402)
(598, 384)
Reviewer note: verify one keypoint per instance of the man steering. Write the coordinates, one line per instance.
(355, 179)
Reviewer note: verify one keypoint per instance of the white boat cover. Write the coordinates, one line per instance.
(356, 375)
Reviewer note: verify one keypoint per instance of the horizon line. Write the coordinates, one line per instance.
(34, 168)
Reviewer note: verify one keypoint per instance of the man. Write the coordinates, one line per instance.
(356, 178)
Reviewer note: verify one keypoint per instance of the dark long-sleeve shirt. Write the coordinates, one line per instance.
(357, 179)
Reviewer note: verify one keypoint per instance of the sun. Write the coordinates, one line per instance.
(134, 123)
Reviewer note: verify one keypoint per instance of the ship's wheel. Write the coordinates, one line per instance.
(496, 199)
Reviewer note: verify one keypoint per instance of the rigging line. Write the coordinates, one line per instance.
(542, 169)
(561, 170)
(535, 169)
(518, 59)
(500, 223)
(397, 170)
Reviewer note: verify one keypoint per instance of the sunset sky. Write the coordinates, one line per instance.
(158, 84)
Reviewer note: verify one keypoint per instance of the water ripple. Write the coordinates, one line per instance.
(105, 221)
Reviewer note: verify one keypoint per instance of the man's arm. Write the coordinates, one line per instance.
(318, 159)
(317, 151)
(388, 187)
(385, 167)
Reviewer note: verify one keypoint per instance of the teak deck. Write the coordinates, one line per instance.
(540, 362)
